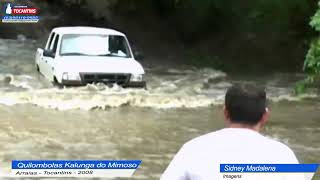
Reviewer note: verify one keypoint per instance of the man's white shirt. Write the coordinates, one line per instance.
(200, 158)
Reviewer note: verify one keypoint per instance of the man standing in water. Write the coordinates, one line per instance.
(245, 114)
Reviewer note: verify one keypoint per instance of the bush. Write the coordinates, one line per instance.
(312, 62)
(198, 59)
(315, 20)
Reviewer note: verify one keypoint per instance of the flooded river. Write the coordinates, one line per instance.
(40, 121)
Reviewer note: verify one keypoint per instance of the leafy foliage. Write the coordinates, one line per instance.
(196, 17)
(199, 60)
(193, 18)
(315, 21)
(312, 62)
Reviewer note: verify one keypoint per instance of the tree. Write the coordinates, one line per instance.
(312, 62)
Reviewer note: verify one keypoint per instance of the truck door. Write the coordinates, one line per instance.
(49, 61)
(41, 62)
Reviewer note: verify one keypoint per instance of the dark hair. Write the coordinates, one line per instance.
(245, 104)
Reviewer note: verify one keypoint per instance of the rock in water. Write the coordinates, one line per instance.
(21, 38)
(7, 80)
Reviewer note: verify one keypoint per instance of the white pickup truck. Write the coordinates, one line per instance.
(84, 55)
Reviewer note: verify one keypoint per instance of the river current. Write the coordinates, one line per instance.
(41, 121)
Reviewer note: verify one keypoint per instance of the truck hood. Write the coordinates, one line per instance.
(99, 64)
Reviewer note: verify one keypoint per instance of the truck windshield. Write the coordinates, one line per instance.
(94, 45)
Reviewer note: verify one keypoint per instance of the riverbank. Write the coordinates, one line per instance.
(223, 44)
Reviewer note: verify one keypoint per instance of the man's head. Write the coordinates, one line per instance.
(245, 105)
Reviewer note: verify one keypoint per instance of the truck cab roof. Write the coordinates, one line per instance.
(86, 30)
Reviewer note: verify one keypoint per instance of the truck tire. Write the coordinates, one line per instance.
(56, 83)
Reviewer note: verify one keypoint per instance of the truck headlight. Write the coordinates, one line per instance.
(71, 76)
(137, 77)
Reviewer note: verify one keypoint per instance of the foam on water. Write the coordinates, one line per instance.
(167, 88)
(165, 93)
(92, 96)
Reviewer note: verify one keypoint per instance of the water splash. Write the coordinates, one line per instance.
(167, 88)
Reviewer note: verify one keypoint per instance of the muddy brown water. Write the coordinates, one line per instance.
(40, 121)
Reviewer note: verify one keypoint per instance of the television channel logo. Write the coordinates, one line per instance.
(19, 14)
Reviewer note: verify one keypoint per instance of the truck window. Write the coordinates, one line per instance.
(55, 44)
(94, 45)
(50, 40)
(117, 45)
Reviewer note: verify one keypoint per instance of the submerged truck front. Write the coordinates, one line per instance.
(84, 55)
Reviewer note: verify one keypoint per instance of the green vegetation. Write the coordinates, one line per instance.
(192, 18)
(200, 60)
(248, 36)
(312, 62)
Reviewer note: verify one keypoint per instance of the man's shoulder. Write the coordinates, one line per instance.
(279, 145)
(211, 138)
(224, 136)
(237, 146)
(221, 135)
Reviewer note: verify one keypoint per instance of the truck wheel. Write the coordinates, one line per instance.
(56, 83)
(37, 67)
(145, 87)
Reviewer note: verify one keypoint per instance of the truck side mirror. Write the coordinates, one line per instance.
(48, 53)
(138, 55)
